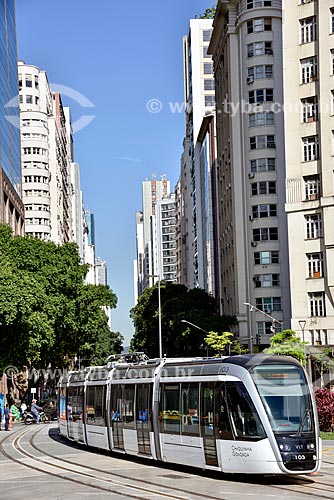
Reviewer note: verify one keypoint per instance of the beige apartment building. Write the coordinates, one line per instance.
(246, 45)
(308, 56)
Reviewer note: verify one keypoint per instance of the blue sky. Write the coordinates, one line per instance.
(119, 56)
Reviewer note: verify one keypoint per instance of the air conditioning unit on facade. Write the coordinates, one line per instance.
(254, 243)
(250, 80)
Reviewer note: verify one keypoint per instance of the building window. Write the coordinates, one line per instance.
(258, 25)
(259, 72)
(36, 82)
(258, 119)
(265, 234)
(209, 100)
(263, 165)
(208, 68)
(261, 95)
(264, 328)
(315, 265)
(263, 187)
(308, 29)
(28, 80)
(309, 69)
(269, 304)
(252, 4)
(266, 280)
(21, 98)
(209, 84)
(259, 49)
(312, 187)
(264, 211)
(310, 109)
(29, 99)
(317, 304)
(313, 226)
(311, 150)
(262, 142)
(207, 35)
(205, 53)
(266, 258)
(332, 62)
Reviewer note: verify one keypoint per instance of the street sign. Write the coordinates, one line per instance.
(33, 390)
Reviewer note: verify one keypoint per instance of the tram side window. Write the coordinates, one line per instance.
(190, 408)
(95, 405)
(75, 403)
(207, 408)
(128, 403)
(170, 408)
(143, 404)
(116, 413)
(222, 420)
(244, 419)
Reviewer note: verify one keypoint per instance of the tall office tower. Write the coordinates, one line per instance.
(77, 216)
(11, 205)
(199, 101)
(308, 57)
(165, 237)
(89, 246)
(45, 157)
(100, 271)
(152, 191)
(247, 50)
(138, 271)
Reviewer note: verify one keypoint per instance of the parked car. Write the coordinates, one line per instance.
(50, 408)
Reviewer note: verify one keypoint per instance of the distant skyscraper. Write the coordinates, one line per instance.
(11, 206)
(89, 246)
(152, 191)
(89, 217)
(165, 237)
(100, 271)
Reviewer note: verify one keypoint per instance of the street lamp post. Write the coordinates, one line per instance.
(198, 328)
(159, 309)
(273, 320)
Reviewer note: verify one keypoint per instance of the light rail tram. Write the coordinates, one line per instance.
(251, 414)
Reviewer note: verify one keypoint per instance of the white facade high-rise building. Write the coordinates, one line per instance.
(46, 156)
(247, 50)
(308, 56)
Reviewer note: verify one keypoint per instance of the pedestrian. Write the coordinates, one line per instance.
(23, 408)
(7, 417)
(0, 416)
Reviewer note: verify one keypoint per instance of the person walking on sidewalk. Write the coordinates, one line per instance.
(0, 416)
(7, 417)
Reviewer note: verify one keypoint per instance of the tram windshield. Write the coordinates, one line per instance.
(285, 396)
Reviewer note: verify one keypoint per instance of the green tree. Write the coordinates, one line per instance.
(47, 313)
(208, 14)
(218, 341)
(177, 303)
(287, 343)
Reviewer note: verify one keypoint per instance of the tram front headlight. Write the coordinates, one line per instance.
(310, 446)
(285, 447)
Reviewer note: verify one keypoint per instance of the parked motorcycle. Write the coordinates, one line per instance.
(29, 418)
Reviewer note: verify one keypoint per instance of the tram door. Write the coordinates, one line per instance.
(144, 417)
(207, 423)
(117, 420)
(75, 412)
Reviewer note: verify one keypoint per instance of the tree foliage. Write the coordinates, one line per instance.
(287, 343)
(218, 341)
(177, 303)
(208, 14)
(47, 313)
